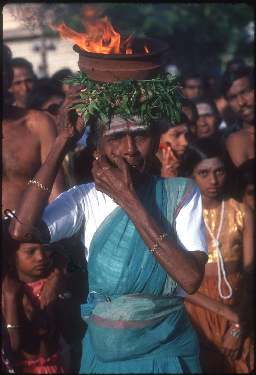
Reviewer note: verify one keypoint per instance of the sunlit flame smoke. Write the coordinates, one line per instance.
(99, 35)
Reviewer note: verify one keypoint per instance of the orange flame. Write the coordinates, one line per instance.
(99, 37)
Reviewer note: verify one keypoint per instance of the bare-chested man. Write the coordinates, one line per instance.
(27, 139)
(238, 89)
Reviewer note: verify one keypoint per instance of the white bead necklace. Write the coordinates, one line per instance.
(220, 262)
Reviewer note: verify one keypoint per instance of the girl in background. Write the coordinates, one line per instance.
(31, 330)
(220, 309)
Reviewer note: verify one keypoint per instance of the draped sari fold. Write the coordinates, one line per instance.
(132, 311)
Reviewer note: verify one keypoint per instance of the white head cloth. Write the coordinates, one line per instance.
(119, 124)
(204, 109)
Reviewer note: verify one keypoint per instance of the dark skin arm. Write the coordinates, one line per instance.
(187, 268)
(11, 299)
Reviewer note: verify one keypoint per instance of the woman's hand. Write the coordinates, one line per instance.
(169, 162)
(114, 181)
(232, 342)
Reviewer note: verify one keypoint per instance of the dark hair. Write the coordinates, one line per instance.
(230, 76)
(190, 75)
(42, 91)
(20, 62)
(58, 77)
(235, 63)
(8, 74)
(189, 103)
(202, 149)
(163, 125)
(7, 55)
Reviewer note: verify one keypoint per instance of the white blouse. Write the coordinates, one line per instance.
(84, 207)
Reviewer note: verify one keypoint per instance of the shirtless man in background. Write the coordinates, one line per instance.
(27, 139)
(238, 89)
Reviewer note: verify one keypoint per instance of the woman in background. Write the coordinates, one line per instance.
(220, 308)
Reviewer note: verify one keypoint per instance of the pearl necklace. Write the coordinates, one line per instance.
(220, 262)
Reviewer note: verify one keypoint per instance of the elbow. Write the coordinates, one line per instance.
(16, 232)
(192, 285)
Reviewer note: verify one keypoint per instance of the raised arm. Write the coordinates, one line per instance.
(46, 130)
(28, 226)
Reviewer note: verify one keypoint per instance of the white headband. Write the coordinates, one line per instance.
(119, 124)
(204, 109)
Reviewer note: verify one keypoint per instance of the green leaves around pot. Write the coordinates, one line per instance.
(150, 100)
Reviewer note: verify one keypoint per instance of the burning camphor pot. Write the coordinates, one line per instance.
(107, 57)
(119, 76)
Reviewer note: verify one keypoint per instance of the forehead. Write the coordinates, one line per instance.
(21, 73)
(123, 133)
(179, 129)
(193, 81)
(28, 246)
(210, 164)
(238, 85)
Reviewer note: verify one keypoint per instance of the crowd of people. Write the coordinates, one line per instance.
(127, 249)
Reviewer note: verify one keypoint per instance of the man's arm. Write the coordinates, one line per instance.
(235, 147)
(28, 227)
(46, 130)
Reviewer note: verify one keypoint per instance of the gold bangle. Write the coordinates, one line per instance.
(8, 326)
(39, 185)
(156, 246)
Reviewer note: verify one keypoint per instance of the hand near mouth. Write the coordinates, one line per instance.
(169, 162)
(116, 182)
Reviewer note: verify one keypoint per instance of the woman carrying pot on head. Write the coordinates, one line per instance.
(143, 248)
(221, 309)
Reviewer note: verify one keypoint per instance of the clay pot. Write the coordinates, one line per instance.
(137, 66)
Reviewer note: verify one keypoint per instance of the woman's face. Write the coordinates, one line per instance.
(206, 126)
(135, 147)
(177, 138)
(210, 176)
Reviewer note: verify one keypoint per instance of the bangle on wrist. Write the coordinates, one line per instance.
(156, 245)
(11, 326)
(39, 185)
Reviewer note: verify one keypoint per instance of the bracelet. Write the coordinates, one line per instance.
(39, 185)
(8, 326)
(156, 246)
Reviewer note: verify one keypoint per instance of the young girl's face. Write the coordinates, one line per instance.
(32, 262)
(210, 176)
(177, 138)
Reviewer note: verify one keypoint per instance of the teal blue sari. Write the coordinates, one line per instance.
(136, 324)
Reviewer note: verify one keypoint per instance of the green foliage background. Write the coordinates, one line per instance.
(201, 35)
